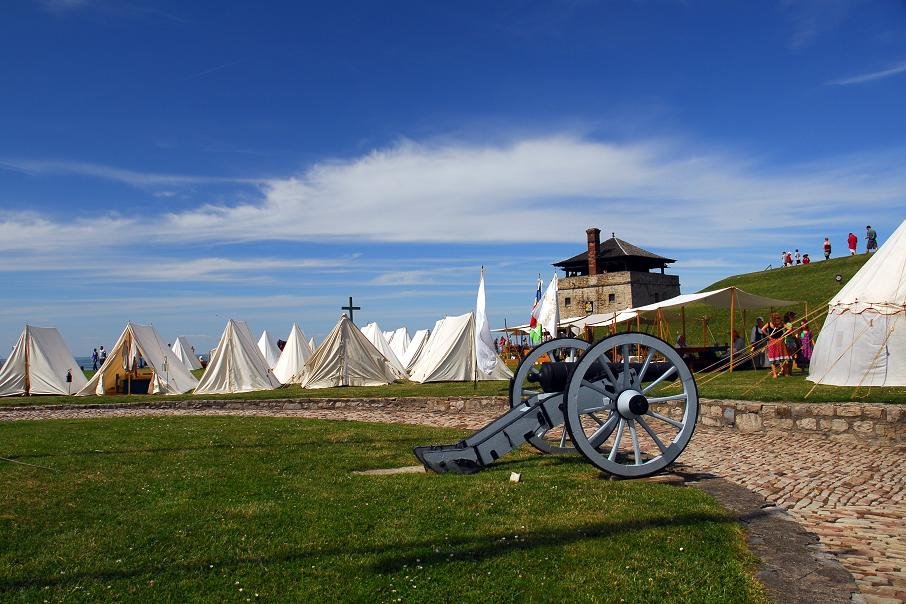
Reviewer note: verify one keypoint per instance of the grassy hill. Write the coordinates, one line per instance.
(812, 285)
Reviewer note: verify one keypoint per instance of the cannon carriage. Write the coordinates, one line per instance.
(628, 404)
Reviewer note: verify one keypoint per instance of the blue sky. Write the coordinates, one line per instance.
(179, 163)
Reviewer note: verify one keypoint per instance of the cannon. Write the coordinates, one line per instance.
(628, 404)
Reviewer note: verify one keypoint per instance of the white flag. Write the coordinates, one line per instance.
(549, 309)
(485, 355)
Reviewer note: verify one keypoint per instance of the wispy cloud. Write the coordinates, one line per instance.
(133, 178)
(210, 70)
(63, 5)
(869, 77)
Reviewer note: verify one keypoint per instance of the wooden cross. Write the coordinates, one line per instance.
(351, 308)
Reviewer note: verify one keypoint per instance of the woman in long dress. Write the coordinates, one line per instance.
(778, 355)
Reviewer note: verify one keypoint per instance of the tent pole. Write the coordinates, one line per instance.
(27, 372)
(732, 323)
(683, 314)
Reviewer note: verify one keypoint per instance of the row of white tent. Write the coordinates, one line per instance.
(41, 363)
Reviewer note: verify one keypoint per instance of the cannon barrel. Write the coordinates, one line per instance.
(553, 377)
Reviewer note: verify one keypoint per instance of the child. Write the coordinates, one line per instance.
(804, 357)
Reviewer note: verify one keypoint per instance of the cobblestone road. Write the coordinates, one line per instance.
(853, 497)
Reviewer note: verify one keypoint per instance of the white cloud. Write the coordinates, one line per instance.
(870, 77)
(544, 189)
(526, 193)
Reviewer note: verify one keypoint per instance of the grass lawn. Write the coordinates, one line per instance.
(740, 385)
(266, 509)
(495, 388)
(760, 386)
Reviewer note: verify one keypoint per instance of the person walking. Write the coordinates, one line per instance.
(852, 242)
(783, 258)
(827, 248)
(94, 359)
(102, 355)
(871, 240)
(788, 261)
(798, 257)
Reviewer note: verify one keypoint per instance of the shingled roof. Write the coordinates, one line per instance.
(614, 249)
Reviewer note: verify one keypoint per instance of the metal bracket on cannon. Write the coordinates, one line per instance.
(628, 404)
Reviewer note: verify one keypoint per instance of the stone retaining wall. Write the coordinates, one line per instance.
(880, 424)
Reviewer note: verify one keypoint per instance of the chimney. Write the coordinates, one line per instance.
(594, 243)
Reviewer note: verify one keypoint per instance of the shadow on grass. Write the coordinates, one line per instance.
(394, 557)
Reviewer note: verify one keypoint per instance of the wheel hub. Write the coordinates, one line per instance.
(632, 404)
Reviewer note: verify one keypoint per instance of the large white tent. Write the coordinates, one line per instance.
(185, 352)
(269, 349)
(39, 364)
(449, 354)
(399, 340)
(293, 358)
(415, 348)
(140, 362)
(863, 341)
(347, 358)
(374, 334)
(237, 364)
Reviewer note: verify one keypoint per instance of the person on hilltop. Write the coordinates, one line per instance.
(852, 242)
(798, 257)
(871, 240)
(94, 359)
(827, 248)
(788, 261)
(806, 259)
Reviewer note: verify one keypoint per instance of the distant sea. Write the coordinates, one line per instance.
(84, 362)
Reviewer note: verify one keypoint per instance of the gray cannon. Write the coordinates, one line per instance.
(628, 404)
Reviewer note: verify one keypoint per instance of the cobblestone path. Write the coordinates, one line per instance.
(852, 496)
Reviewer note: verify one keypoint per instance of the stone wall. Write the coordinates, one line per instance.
(854, 422)
(629, 289)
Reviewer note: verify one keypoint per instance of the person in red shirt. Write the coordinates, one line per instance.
(827, 248)
(852, 241)
(805, 259)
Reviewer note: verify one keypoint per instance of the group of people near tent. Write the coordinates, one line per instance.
(140, 361)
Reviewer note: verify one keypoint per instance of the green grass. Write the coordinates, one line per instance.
(760, 386)
(267, 509)
(401, 389)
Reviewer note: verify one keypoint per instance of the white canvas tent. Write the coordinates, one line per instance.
(399, 340)
(140, 362)
(863, 341)
(237, 364)
(39, 364)
(374, 334)
(269, 349)
(415, 348)
(449, 354)
(293, 358)
(347, 358)
(311, 345)
(185, 352)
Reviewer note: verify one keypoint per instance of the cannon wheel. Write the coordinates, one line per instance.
(521, 394)
(623, 421)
